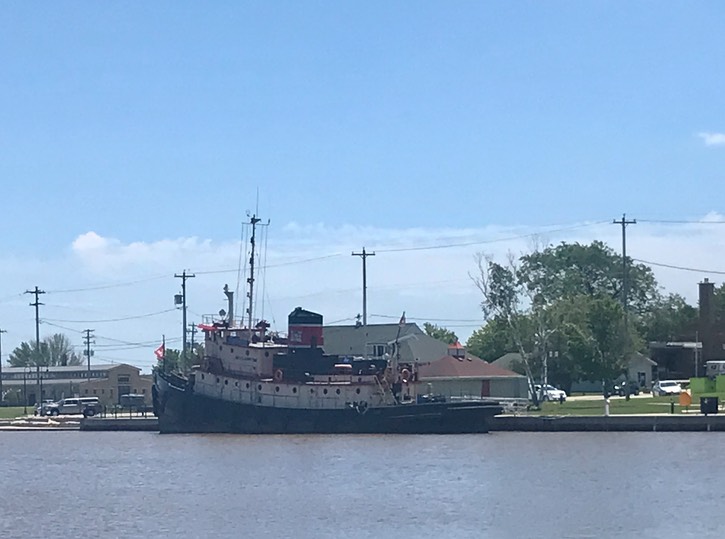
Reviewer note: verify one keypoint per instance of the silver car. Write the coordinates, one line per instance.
(664, 388)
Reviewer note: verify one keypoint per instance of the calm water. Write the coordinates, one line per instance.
(502, 485)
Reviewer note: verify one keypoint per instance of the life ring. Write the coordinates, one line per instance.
(405, 375)
(278, 375)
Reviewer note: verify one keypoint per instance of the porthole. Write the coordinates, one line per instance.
(226, 382)
(236, 384)
(247, 352)
(231, 350)
(220, 348)
(312, 391)
(294, 390)
(247, 386)
(266, 354)
(337, 391)
(217, 380)
(324, 391)
(359, 380)
(259, 387)
(202, 376)
(276, 389)
(357, 391)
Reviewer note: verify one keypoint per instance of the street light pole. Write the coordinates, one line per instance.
(25, 390)
(1, 364)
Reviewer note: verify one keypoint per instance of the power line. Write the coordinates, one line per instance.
(135, 317)
(425, 318)
(105, 286)
(681, 222)
(127, 343)
(683, 268)
(482, 242)
(267, 266)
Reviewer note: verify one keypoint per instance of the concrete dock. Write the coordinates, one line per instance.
(92, 424)
(612, 423)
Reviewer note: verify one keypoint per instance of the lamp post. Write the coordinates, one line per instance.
(26, 370)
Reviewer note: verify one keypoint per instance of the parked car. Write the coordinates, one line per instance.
(626, 388)
(551, 393)
(42, 408)
(664, 388)
(88, 406)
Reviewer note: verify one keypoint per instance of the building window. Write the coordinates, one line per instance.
(143, 391)
(124, 379)
(103, 391)
(95, 392)
(377, 350)
(86, 392)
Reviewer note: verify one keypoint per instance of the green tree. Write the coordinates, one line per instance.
(54, 350)
(509, 298)
(491, 341)
(173, 360)
(440, 333)
(572, 269)
(591, 342)
(560, 309)
(669, 319)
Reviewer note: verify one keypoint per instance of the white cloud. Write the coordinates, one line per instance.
(713, 139)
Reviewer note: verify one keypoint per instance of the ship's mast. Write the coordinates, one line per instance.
(253, 221)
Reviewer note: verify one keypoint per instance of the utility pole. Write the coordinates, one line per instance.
(192, 330)
(1, 364)
(87, 340)
(184, 276)
(624, 222)
(37, 304)
(364, 255)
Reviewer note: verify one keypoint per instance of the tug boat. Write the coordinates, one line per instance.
(250, 381)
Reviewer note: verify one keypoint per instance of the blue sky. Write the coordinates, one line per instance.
(134, 138)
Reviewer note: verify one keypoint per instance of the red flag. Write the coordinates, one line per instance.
(160, 352)
(402, 320)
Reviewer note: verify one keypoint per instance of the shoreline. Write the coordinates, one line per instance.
(500, 423)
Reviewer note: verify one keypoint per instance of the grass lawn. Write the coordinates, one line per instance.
(12, 412)
(617, 405)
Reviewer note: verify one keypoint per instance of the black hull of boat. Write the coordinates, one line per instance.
(182, 411)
